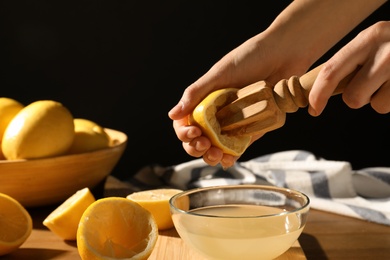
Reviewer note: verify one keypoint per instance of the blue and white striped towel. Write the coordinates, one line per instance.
(332, 186)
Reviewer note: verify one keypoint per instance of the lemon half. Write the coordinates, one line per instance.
(116, 228)
(15, 224)
(64, 220)
(156, 201)
(204, 117)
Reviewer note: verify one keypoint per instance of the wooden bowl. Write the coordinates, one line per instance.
(48, 181)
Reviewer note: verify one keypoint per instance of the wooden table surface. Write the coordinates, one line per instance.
(326, 236)
(331, 236)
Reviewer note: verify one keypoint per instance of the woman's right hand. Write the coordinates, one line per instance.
(256, 59)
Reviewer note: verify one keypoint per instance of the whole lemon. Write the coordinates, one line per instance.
(8, 109)
(89, 136)
(43, 128)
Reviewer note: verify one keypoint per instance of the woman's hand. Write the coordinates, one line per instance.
(256, 59)
(369, 50)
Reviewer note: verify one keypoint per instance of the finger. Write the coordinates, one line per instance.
(185, 132)
(343, 63)
(324, 86)
(189, 100)
(228, 160)
(197, 147)
(372, 77)
(213, 156)
(191, 97)
(380, 100)
(364, 84)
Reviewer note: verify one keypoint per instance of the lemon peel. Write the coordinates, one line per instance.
(116, 228)
(204, 117)
(15, 222)
(64, 220)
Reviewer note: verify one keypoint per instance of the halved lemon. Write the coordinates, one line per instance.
(116, 228)
(204, 117)
(64, 220)
(15, 224)
(156, 201)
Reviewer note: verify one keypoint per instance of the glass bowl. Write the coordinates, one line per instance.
(240, 221)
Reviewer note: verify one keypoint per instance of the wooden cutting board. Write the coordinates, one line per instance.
(171, 247)
(43, 244)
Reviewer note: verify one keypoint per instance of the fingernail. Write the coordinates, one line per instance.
(211, 158)
(226, 164)
(200, 148)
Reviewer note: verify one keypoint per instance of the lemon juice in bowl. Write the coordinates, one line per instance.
(240, 222)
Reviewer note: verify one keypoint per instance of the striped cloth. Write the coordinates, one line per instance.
(332, 186)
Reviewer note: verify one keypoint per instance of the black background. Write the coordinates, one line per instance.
(124, 64)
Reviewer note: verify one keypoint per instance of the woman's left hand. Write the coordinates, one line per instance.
(369, 50)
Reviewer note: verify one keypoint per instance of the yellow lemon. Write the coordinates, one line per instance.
(89, 136)
(41, 129)
(116, 228)
(8, 109)
(15, 224)
(204, 117)
(156, 202)
(64, 220)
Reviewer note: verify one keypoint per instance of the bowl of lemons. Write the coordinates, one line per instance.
(47, 155)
